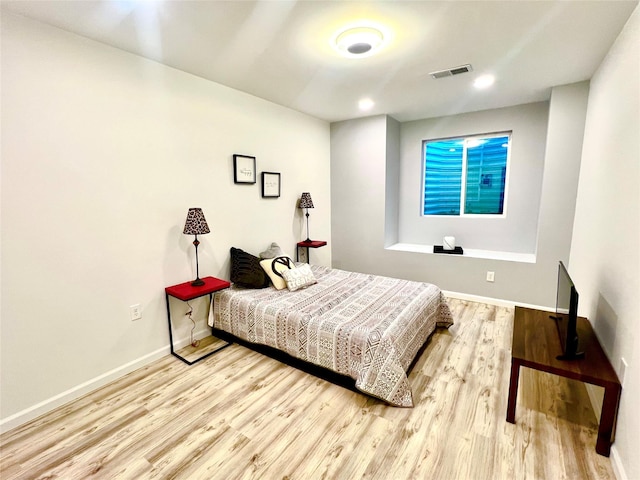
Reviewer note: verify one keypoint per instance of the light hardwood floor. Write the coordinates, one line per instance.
(239, 414)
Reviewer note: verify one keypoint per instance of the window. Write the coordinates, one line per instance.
(466, 171)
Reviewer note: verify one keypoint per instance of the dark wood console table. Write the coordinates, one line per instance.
(536, 345)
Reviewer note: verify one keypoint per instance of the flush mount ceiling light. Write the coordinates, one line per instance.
(358, 41)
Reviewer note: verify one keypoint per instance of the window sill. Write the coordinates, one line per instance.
(468, 252)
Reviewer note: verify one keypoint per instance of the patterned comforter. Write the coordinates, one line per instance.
(367, 327)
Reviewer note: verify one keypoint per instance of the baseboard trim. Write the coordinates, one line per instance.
(616, 463)
(78, 391)
(498, 302)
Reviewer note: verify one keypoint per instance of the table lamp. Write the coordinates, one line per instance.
(306, 203)
(196, 225)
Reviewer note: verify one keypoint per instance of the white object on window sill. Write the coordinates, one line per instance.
(449, 243)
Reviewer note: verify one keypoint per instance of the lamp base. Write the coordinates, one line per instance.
(197, 282)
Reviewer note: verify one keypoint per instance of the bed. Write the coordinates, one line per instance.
(366, 327)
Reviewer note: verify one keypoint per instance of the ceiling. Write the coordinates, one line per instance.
(281, 50)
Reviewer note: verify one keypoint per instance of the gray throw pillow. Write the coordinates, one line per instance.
(273, 251)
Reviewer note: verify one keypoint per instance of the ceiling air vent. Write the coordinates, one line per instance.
(451, 71)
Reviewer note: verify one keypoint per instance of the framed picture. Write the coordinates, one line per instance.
(244, 169)
(270, 185)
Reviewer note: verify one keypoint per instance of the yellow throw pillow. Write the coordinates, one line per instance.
(274, 268)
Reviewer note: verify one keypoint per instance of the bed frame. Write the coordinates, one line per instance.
(307, 367)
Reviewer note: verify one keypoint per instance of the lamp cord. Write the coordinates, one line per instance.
(194, 343)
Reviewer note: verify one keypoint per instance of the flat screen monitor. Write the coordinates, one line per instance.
(567, 315)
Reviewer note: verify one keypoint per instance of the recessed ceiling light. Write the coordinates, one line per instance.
(484, 81)
(358, 41)
(366, 104)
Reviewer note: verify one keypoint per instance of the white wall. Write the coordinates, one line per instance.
(605, 262)
(392, 183)
(358, 153)
(516, 231)
(103, 152)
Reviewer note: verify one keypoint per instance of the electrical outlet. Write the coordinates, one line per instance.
(623, 370)
(135, 311)
(491, 276)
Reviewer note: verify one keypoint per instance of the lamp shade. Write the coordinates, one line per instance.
(196, 224)
(305, 200)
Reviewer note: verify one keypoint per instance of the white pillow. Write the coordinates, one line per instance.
(299, 278)
(274, 268)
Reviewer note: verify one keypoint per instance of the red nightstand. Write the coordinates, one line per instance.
(308, 245)
(185, 291)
